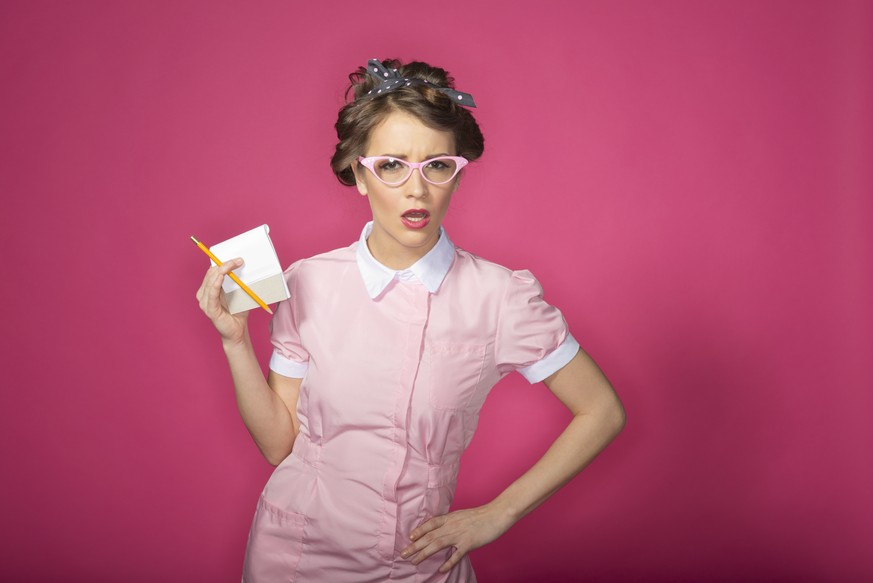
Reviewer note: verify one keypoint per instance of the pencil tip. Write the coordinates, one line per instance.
(269, 310)
(193, 239)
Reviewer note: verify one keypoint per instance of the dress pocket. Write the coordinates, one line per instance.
(274, 545)
(452, 372)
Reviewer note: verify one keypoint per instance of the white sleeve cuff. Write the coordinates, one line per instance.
(287, 367)
(552, 362)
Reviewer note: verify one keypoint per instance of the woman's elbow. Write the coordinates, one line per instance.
(622, 419)
(276, 455)
(616, 417)
(275, 458)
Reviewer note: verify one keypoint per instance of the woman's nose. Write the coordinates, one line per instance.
(416, 185)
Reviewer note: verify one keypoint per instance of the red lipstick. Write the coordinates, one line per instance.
(415, 218)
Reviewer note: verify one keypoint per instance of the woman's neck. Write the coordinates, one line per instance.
(396, 256)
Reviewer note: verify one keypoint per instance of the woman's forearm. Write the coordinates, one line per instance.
(263, 412)
(595, 423)
(587, 434)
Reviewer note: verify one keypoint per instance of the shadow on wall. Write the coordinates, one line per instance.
(694, 465)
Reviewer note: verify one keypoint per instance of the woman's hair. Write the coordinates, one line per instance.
(435, 109)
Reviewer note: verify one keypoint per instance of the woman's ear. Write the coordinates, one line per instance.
(359, 181)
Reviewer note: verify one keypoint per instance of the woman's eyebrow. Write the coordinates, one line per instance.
(404, 156)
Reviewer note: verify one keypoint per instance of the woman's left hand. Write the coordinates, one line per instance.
(464, 530)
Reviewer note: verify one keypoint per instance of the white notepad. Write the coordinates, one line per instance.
(262, 271)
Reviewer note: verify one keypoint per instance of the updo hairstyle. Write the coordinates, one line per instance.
(435, 109)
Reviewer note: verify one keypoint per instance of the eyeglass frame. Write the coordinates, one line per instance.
(369, 161)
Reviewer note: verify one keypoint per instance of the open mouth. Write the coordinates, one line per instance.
(416, 215)
(415, 218)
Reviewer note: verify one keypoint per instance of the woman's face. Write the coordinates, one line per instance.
(398, 241)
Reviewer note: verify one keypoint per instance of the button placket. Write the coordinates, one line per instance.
(415, 304)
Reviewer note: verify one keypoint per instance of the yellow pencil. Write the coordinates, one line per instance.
(243, 286)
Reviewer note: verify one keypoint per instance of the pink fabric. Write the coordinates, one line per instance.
(390, 401)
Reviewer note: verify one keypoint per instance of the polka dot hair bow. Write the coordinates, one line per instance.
(390, 80)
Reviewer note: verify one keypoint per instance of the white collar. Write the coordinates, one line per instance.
(430, 270)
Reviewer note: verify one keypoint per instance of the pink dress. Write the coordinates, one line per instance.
(395, 368)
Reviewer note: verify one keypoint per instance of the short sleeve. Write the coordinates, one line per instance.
(289, 357)
(532, 335)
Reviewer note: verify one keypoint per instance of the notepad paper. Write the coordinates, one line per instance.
(262, 271)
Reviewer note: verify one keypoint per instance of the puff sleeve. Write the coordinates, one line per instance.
(532, 335)
(289, 357)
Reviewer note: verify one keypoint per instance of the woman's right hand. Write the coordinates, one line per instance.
(232, 327)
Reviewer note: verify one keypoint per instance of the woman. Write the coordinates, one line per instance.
(384, 355)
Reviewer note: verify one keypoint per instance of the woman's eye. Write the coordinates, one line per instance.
(438, 165)
(390, 165)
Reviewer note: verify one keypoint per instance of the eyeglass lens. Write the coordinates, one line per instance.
(438, 170)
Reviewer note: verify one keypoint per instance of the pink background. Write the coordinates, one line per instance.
(690, 181)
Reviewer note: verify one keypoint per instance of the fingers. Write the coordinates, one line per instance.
(228, 266)
(209, 294)
(430, 538)
(427, 526)
(461, 530)
(453, 560)
(430, 546)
